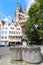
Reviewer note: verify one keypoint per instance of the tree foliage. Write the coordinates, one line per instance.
(34, 25)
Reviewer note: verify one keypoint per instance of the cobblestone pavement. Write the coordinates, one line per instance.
(6, 61)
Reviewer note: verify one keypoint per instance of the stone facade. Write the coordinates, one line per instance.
(20, 16)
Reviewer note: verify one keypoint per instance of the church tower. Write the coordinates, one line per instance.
(20, 16)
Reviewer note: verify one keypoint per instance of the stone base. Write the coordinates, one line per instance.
(16, 54)
(30, 55)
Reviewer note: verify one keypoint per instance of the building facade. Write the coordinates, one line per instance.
(15, 34)
(4, 34)
(11, 34)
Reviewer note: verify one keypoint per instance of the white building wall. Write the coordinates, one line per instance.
(15, 33)
(4, 34)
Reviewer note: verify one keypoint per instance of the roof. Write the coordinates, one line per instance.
(3, 22)
(19, 6)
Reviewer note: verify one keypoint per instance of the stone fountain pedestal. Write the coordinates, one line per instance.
(30, 55)
(15, 53)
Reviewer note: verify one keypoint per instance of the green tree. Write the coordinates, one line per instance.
(34, 25)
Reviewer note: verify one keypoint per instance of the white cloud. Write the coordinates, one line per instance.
(8, 19)
(29, 2)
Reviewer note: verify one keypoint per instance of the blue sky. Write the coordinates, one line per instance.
(8, 7)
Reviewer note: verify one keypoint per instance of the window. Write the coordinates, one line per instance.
(5, 32)
(5, 37)
(19, 14)
(5, 41)
(3, 27)
(2, 37)
(16, 32)
(11, 27)
(2, 32)
(11, 32)
(6, 27)
(23, 16)
(18, 28)
(19, 32)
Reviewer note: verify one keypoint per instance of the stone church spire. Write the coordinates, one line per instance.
(20, 16)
